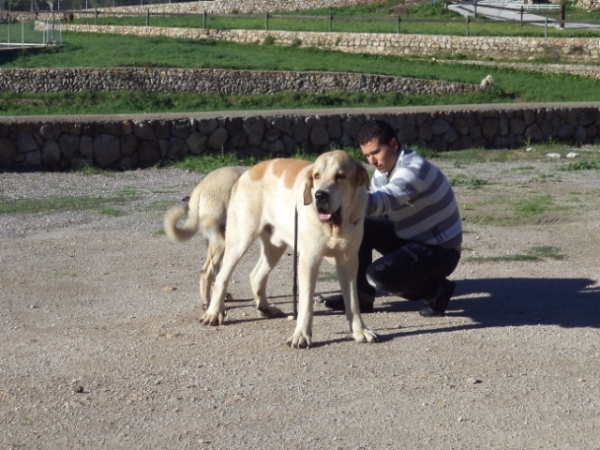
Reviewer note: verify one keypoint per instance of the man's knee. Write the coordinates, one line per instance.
(408, 288)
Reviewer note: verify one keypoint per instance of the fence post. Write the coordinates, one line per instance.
(546, 27)
(147, 17)
(267, 21)
(446, 8)
(96, 17)
(398, 25)
(475, 9)
(330, 22)
(468, 26)
(521, 15)
(561, 16)
(204, 19)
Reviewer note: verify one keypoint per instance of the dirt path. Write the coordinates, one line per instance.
(100, 346)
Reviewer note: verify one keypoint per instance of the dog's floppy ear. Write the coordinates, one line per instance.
(362, 176)
(308, 185)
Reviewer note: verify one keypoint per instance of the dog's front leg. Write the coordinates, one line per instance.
(308, 269)
(347, 271)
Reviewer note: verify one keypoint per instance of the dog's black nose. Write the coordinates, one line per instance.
(321, 196)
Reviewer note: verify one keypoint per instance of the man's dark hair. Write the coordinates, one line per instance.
(376, 129)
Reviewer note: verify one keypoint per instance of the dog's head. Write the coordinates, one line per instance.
(337, 184)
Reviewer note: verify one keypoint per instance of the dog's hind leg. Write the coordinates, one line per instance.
(212, 264)
(238, 240)
(270, 255)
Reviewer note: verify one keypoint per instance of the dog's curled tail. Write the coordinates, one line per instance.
(189, 227)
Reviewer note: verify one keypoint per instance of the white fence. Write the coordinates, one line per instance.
(19, 33)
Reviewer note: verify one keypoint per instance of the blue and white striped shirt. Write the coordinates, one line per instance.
(418, 198)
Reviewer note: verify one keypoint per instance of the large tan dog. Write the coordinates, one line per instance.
(330, 197)
(206, 211)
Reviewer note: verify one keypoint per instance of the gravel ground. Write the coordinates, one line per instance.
(101, 346)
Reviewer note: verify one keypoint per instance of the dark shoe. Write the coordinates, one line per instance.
(436, 307)
(336, 303)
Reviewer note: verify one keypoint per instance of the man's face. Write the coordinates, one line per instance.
(381, 156)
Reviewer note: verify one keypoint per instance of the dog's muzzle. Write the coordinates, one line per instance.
(323, 209)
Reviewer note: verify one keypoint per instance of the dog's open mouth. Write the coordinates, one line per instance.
(328, 217)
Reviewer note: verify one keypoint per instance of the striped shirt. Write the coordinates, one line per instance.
(418, 198)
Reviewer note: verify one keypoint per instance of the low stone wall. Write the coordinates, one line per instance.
(236, 6)
(206, 81)
(578, 50)
(126, 142)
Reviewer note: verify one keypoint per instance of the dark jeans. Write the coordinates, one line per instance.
(409, 269)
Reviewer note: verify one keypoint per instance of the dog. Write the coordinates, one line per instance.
(330, 198)
(487, 82)
(206, 211)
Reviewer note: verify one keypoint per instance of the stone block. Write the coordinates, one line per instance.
(50, 153)
(128, 144)
(26, 143)
(143, 130)
(69, 144)
(148, 153)
(106, 150)
(86, 148)
(217, 139)
(7, 152)
(196, 143)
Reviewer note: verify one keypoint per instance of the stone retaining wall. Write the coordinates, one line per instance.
(205, 81)
(578, 50)
(126, 142)
(236, 6)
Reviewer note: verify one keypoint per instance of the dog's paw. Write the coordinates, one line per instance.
(212, 318)
(271, 312)
(299, 340)
(365, 335)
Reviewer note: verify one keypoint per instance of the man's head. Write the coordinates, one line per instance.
(378, 142)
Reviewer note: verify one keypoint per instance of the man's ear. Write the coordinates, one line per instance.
(308, 185)
(362, 176)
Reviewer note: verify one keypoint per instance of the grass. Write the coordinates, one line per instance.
(500, 210)
(425, 18)
(587, 160)
(89, 50)
(464, 180)
(123, 102)
(532, 254)
(210, 162)
(54, 204)
(594, 164)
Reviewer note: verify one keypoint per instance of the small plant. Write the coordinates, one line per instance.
(269, 40)
(582, 165)
(536, 205)
(471, 182)
(111, 212)
(296, 42)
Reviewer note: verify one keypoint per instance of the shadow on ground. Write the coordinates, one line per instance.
(504, 302)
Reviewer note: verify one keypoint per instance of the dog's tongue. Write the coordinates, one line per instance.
(324, 216)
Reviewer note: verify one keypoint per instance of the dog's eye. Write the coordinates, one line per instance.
(339, 177)
(316, 176)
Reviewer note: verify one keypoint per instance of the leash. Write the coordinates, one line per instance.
(295, 253)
